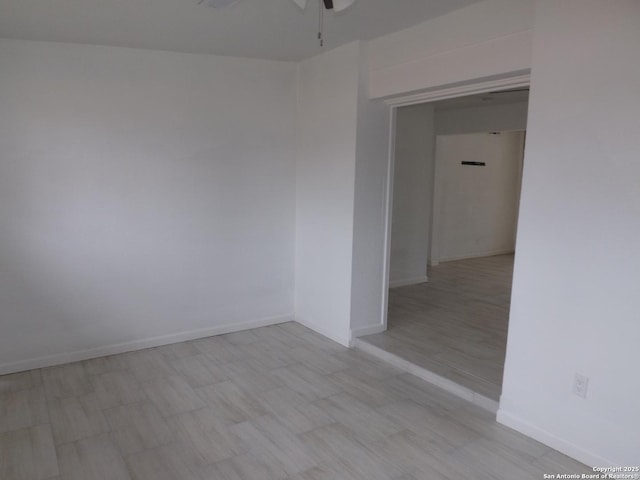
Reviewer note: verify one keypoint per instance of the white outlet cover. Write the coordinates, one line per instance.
(580, 385)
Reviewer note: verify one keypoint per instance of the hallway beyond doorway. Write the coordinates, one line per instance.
(456, 324)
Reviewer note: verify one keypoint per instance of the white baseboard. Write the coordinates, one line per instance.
(433, 378)
(405, 282)
(344, 340)
(476, 255)
(570, 449)
(103, 351)
(370, 330)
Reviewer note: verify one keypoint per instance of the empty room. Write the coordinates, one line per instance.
(196, 232)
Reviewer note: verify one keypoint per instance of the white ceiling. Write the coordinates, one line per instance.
(273, 29)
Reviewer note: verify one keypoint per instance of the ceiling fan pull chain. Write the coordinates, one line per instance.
(321, 23)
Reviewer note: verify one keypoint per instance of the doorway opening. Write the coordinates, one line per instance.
(456, 179)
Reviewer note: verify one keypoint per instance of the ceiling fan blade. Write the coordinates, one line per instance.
(339, 5)
(328, 4)
(301, 3)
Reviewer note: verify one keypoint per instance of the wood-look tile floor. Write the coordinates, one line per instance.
(456, 324)
(274, 403)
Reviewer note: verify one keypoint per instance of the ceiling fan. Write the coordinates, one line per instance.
(335, 5)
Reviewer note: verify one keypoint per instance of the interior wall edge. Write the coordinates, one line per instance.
(141, 344)
(368, 330)
(570, 449)
(405, 282)
(493, 253)
(343, 339)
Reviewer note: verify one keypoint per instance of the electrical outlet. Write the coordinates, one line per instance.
(580, 385)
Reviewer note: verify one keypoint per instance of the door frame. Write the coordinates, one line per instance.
(506, 82)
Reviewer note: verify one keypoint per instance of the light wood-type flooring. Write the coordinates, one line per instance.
(274, 403)
(456, 324)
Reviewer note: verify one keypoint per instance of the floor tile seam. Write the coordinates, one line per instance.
(14, 430)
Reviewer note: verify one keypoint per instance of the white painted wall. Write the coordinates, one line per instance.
(325, 177)
(412, 194)
(489, 118)
(575, 305)
(476, 207)
(369, 219)
(413, 202)
(488, 38)
(341, 170)
(142, 194)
